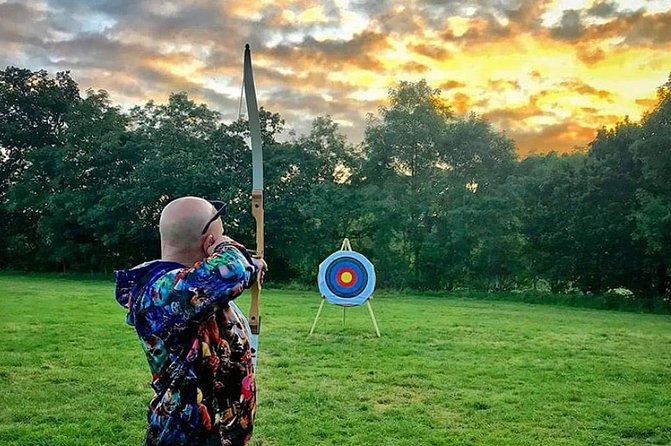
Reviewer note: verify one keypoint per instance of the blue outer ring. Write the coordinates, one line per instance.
(361, 290)
(355, 288)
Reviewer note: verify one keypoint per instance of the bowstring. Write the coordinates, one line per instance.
(242, 91)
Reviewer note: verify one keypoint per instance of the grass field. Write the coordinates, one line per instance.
(446, 371)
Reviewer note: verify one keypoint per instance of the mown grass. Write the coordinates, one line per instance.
(446, 372)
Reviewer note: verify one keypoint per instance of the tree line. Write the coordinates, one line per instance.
(435, 200)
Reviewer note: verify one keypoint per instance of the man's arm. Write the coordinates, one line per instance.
(198, 291)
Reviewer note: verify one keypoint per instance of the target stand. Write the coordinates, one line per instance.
(346, 278)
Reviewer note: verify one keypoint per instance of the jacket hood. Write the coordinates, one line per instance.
(131, 282)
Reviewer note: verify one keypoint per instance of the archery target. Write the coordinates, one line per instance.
(346, 278)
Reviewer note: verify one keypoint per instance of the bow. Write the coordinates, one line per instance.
(257, 192)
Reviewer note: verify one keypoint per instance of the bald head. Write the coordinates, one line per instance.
(181, 226)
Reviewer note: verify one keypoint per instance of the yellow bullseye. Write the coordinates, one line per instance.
(346, 277)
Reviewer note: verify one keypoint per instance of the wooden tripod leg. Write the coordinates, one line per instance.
(314, 324)
(372, 316)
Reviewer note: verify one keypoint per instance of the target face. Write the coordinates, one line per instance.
(346, 278)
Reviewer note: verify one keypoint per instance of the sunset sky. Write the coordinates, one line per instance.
(548, 72)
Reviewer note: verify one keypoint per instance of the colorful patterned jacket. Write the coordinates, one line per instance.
(197, 344)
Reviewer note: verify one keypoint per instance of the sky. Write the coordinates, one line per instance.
(547, 72)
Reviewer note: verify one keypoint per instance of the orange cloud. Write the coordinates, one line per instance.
(414, 67)
(563, 137)
(589, 55)
(580, 87)
(646, 102)
(431, 51)
(461, 103)
(503, 84)
(451, 84)
(511, 117)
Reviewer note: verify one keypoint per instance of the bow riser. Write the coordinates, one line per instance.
(257, 212)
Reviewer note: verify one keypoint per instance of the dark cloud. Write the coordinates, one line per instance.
(646, 29)
(525, 15)
(480, 30)
(570, 27)
(485, 18)
(91, 51)
(227, 106)
(603, 9)
(13, 20)
(295, 102)
(371, 8)
(274, 87)
(201, 24)
(360, 51)
(407, 21)
(128, 69)
(637, 28)
(294, 105)
(436, 12)
(112, 7)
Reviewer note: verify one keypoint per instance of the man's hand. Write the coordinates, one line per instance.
(263, 267)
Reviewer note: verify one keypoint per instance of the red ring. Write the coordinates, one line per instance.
(341, 272)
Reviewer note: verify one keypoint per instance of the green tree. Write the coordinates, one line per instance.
(311, 201)
(33, 109)
(421, 164)
(607, 255)
(402, 148)
(653, 151)
(548, 188)
(475, 238)
(182, 149)
(63, 184)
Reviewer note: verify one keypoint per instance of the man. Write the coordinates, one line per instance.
(195, 338)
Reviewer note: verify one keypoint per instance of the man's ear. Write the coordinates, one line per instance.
(208, 241)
